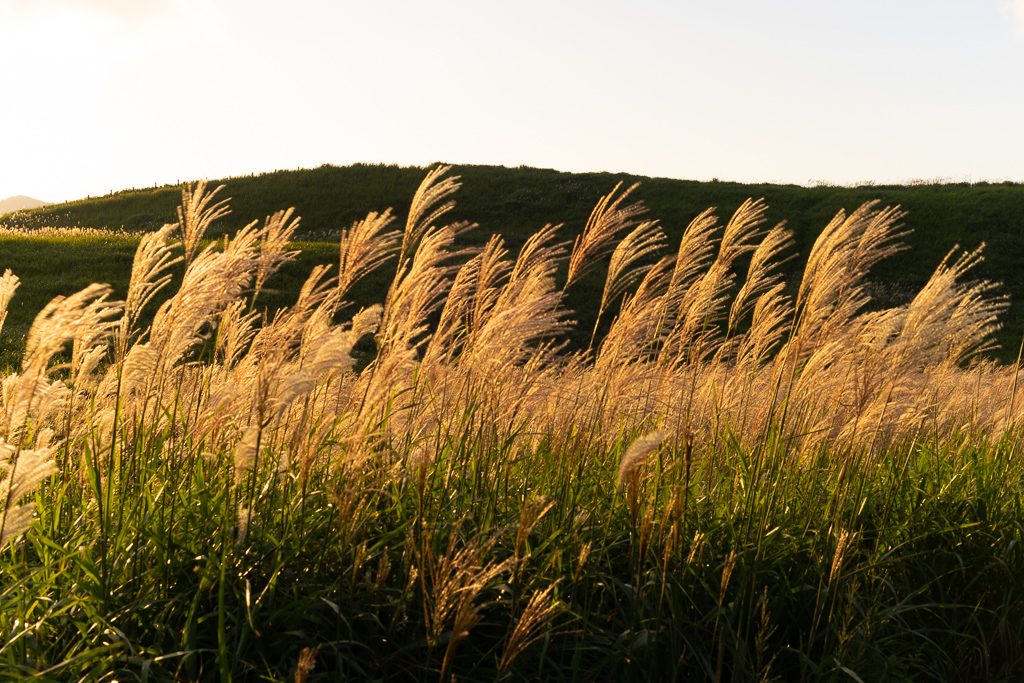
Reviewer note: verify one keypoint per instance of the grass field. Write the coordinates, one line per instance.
(721, 465)
(515, 202)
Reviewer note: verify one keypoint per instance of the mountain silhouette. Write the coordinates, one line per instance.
(19, 202)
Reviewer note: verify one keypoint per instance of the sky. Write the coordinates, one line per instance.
(101, 95)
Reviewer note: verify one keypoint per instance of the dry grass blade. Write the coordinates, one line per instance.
(950, 318)
(702, 307)
(306, 664)
(235, 331)
(17, 520)
(456, 579)
(246, 451)
(843, 542)
(455, 323)
(492, 274)
(284, 334)
(33, 467)
(743, 229)
(532, 512)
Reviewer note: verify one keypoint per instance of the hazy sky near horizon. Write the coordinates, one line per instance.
(100, 95)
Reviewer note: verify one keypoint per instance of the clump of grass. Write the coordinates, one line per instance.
(739, 479)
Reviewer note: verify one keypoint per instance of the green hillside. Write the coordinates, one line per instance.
(515, 202)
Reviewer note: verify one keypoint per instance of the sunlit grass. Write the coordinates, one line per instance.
(733, 479)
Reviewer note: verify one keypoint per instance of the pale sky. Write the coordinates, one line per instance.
(99, 95)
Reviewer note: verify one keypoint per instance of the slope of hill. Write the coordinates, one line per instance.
(516, 201)
(19, 203)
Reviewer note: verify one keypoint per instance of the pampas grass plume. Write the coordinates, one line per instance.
(636, 455)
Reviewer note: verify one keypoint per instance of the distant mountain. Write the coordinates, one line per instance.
(19, 203)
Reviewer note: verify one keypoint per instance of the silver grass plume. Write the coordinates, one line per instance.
(607, 222)
(636, 455)
(695, 253)
(640, 326)
(702, 307)
(21, 472)
(364, 247)
(832, 289)
(197, 213)
(455, 324)
(212, 281)
(526, 309)
(430, 204)
(627, 265)
(762, 274)
(278, 230)
(8, 285)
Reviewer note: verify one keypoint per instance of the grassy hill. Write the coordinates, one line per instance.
(515, 202)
